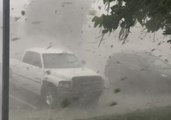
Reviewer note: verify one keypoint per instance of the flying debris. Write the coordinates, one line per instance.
(118, 62)
(124, 78)
(153, 49)
(160, 55)
(16, 18)
(15, 39)
(159, 43)
(23, 12)
(50, 45)
(169, 41)
(67, 3)
(117, 90)
(56, 11)
(111, 46)
(36, 22)
(142, 69)
(113, 104)
(166, 60)
(99, 7)
(63, 5)
(141, 38)
(83, 62)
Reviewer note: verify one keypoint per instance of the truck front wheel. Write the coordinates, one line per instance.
(50, 96)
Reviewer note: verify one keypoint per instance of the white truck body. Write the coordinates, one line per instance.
(32, 76)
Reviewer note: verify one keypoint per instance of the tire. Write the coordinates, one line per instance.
(50, 96)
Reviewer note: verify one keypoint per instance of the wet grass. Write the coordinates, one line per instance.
(150, 114)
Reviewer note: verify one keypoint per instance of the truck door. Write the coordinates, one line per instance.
(21, 70)
(33, 72)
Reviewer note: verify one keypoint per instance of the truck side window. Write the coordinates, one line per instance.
(32, 58)
(27, 58)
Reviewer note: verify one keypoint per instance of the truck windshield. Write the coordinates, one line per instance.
(64, 60)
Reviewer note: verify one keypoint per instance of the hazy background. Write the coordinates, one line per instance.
(67, 24)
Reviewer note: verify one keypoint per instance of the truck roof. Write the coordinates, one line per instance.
(50, 50)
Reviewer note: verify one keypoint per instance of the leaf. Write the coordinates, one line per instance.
(104, 31)
(97, 21)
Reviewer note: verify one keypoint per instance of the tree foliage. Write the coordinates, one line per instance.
(151, 14)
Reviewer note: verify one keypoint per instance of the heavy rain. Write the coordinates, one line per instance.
(63, 68)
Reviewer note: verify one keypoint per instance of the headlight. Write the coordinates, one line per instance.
(65, 84)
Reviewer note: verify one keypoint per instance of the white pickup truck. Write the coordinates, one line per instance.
(56, 75)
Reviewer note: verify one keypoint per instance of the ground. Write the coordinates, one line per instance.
(24, 105)
(149, 114)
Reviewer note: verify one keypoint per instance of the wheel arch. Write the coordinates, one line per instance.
(46, 84)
